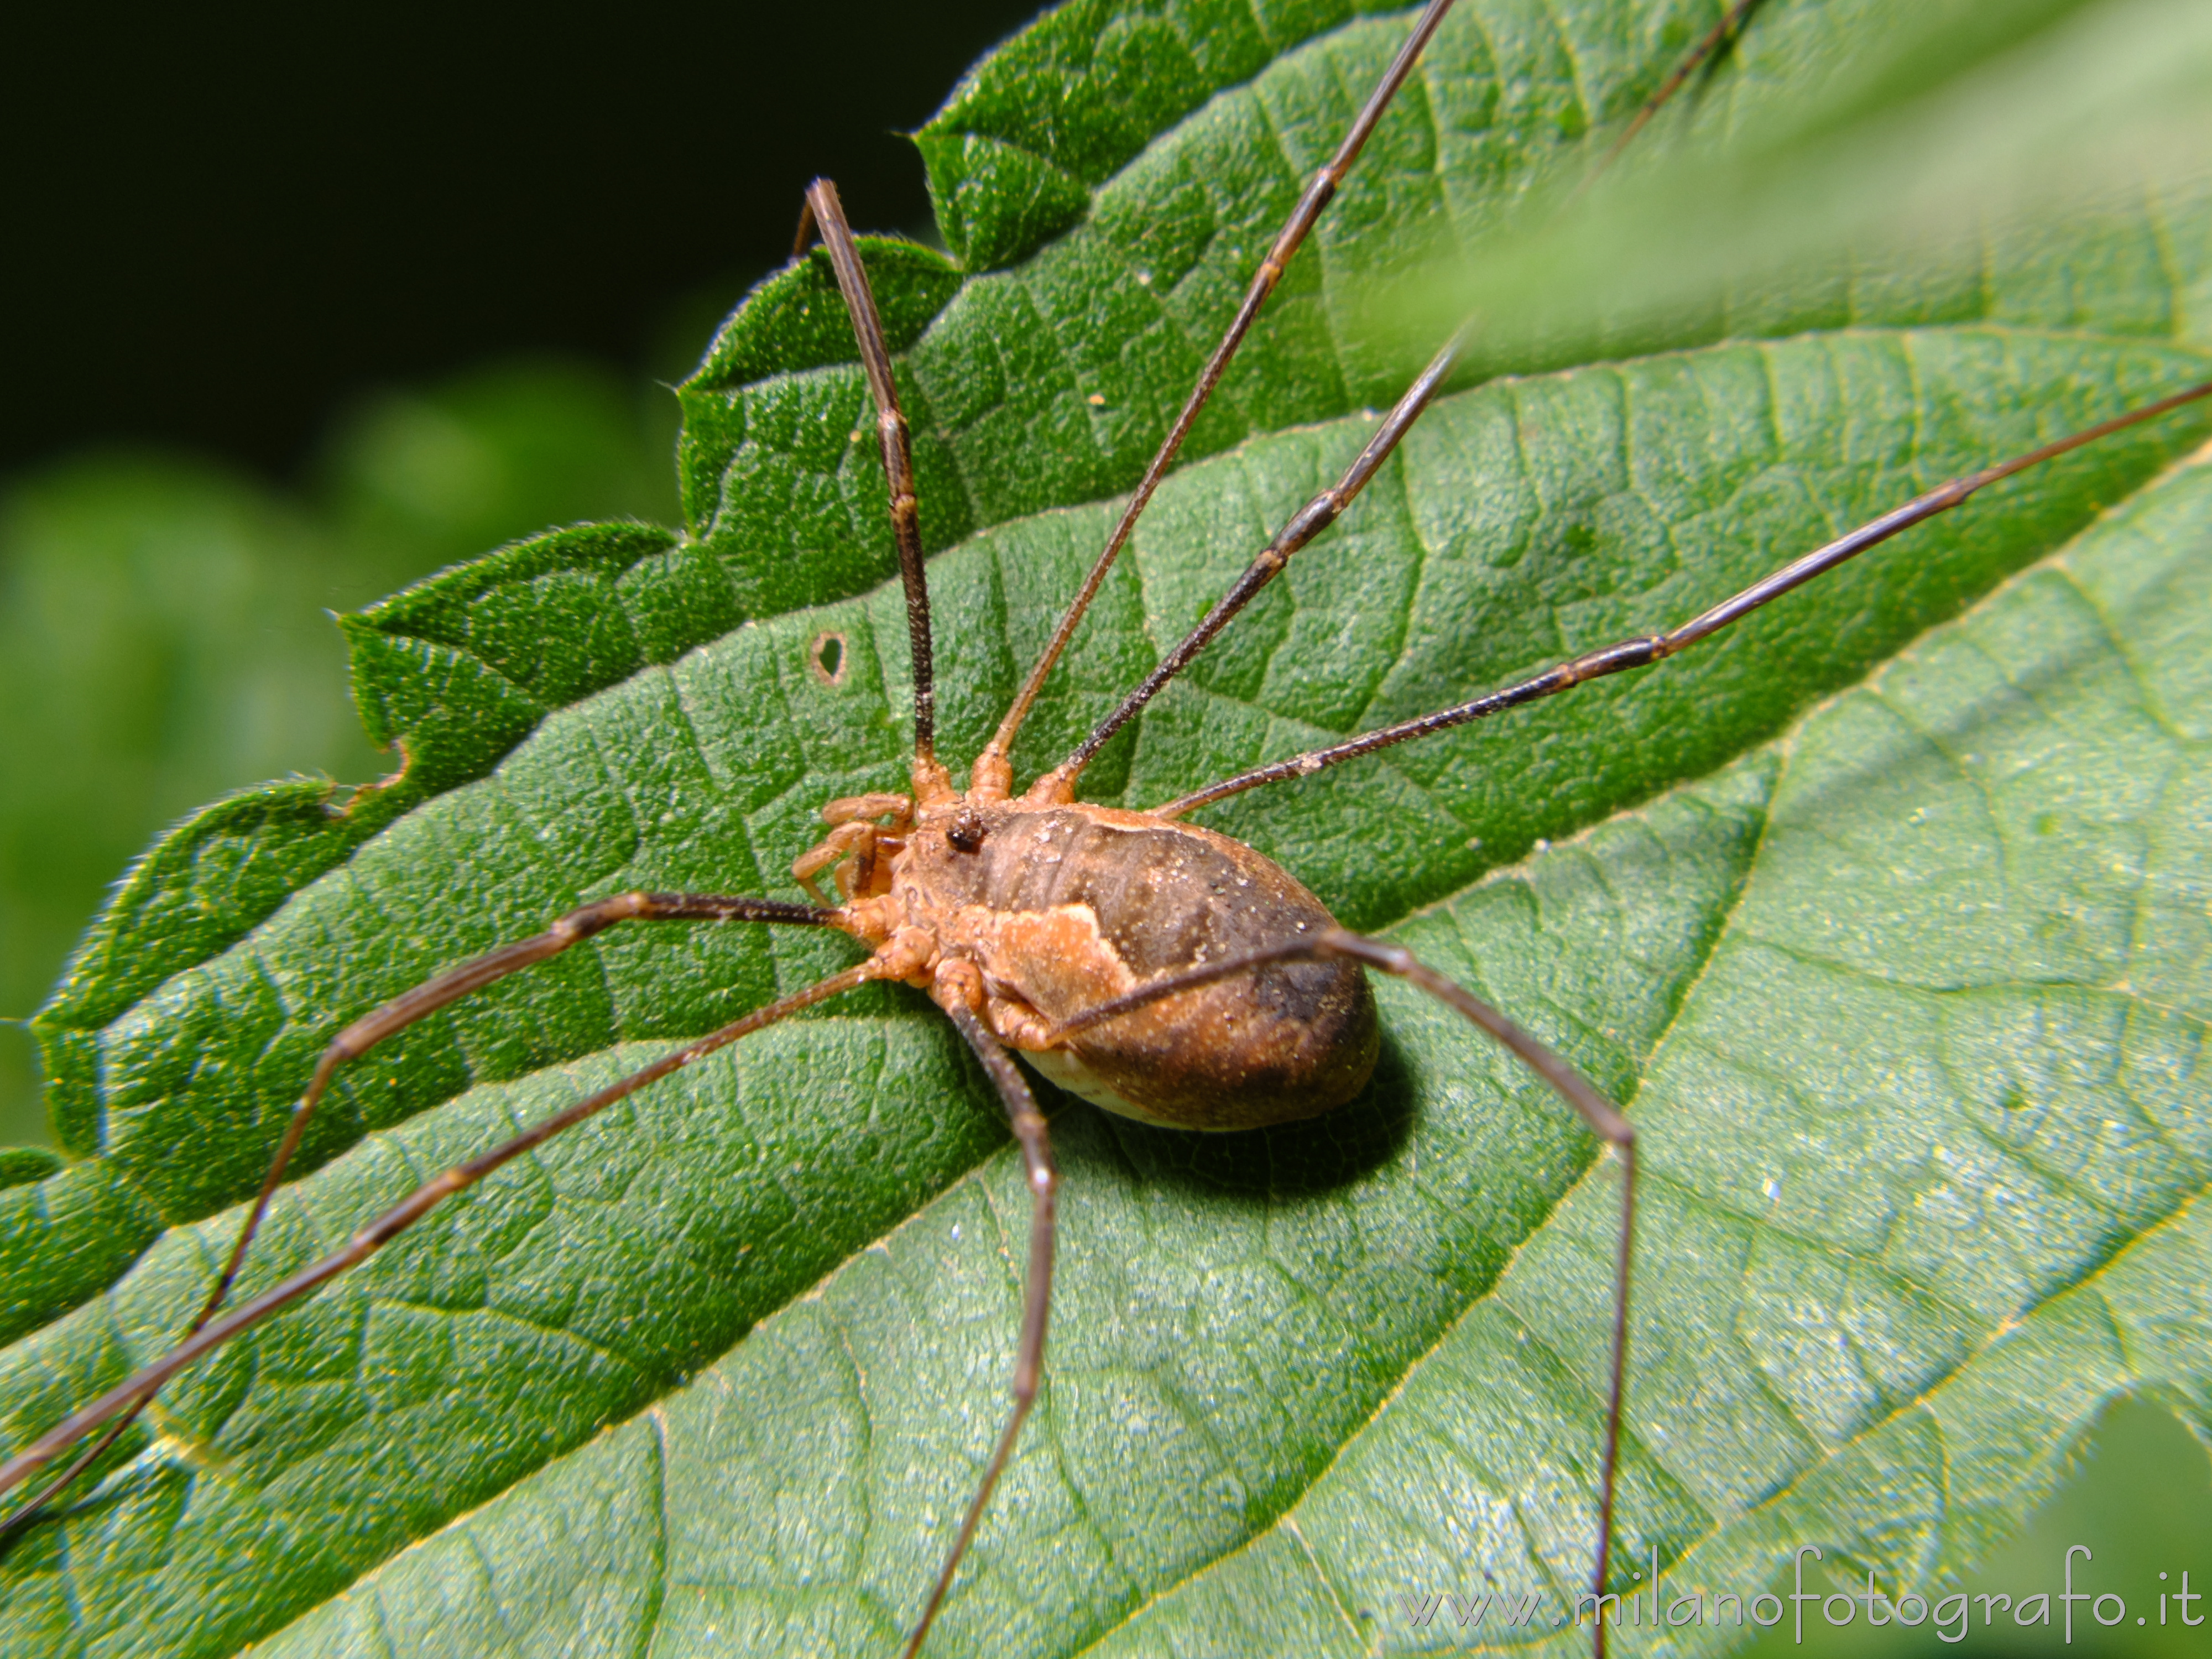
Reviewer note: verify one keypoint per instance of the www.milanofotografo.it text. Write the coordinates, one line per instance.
(1951, 1617)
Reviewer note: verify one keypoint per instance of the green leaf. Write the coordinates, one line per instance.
(1885, 913)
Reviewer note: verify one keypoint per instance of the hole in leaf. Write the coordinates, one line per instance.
(826, 656)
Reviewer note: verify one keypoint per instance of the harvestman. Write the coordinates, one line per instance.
(1024, 917)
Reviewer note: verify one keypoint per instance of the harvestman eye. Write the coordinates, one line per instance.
(966, 832)
(1034, 919)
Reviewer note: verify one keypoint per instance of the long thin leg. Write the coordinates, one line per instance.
(993, 769)
(1322, 511)
(1029, 1126)
(931, 781)
(1642, 652)
(1603, 1118)
(1308, 522)
(130, 1396)
(396, 1015)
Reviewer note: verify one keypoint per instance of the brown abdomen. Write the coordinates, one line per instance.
(1083, 904)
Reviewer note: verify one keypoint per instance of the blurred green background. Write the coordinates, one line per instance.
(163, 628)
(2141, 1498)
(182, 501)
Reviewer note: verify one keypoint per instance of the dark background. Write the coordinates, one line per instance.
(223, 226)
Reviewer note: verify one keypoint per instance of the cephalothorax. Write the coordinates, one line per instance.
(1157, 968)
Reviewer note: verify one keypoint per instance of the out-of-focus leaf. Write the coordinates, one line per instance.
(421, 479)
(2095, 117)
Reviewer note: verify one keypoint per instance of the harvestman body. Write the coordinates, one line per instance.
(1156, 968)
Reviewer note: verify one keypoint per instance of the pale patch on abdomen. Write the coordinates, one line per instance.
(1056, 963)
(1068, 1071)
(1272, 1046)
